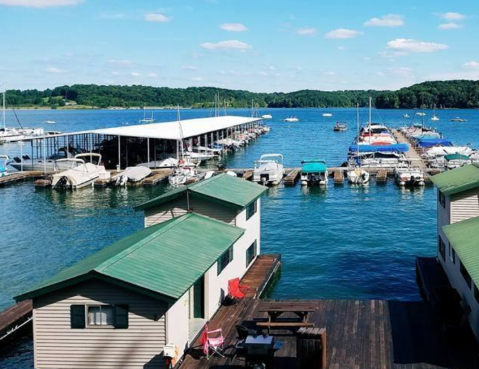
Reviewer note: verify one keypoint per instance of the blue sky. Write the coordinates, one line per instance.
(257, 45)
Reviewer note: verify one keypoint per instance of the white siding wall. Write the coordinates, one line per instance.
(177, 323)
(57, 345)
(217, 285)
(178, 207)
(465, 205)
(457, 281)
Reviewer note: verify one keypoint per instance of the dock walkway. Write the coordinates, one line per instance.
(412, 155)
(15, 317)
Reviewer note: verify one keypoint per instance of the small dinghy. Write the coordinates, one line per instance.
(131, 174)
(358, 176)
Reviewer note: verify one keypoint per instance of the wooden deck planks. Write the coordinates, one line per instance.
(14, 315)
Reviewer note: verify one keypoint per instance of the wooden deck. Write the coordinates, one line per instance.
(14, 316)
(360, 334)
(19, 176)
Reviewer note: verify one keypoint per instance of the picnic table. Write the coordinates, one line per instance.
(275, 310)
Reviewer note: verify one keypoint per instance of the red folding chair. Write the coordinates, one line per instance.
(237, 291)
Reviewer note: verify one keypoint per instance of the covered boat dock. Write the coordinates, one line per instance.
(125, 146)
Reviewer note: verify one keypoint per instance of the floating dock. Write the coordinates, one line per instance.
(19, 176)
(14, 319)
(338, 176)
(291, 177)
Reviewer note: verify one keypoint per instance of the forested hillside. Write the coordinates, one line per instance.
(443, 94)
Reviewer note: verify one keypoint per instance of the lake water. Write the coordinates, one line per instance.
(339, 242)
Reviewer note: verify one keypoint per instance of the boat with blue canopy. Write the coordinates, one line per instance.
(314, 172)
(430, 142)
(379, 148)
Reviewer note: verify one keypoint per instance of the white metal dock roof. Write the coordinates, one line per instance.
(171, 130)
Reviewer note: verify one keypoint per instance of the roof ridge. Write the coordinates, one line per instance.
(205, 182)
(108, 263)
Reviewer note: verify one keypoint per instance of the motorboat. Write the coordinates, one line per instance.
(454, 161)
(314, 172)
(49, 122)
(198, 157)
(421, 114)
(377, 159)
(4, 159)
(406, 115)
(160, 163)
(51, 164)
(357, 175)
(131, 174)
(440, 151)
(267, 116)
(268, 169)
(406, 175)
(434, 117)
(291, 120)
(183, 174)
(81, 173)
(340, 127)
(458, 120)
(327, 115)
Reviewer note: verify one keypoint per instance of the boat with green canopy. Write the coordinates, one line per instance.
(454, 161)
(314, 172)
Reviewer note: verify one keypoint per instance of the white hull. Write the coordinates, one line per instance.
(358, 176)
(406, 176)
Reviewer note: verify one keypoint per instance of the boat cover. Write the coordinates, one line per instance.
(456, 157)
(313, 166)
(430, 142)
(380, 148)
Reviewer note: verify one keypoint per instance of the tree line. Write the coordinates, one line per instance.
(442, 94)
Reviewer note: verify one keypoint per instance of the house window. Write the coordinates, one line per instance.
(251, 253)
(465, 274)
(442, 199)
(251, 209)
(225, 259)
(100, 315)
(452, 254)
(441, 247)
(83, 316)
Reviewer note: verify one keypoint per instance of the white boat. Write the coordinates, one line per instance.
(434, 117)
(131, 174)
(182, 174)
(327, 115)
(80, 174)
(406, 175)
(267, 116)
(357, 175)
(458, 120)
(441, 151)
(49, 122)
(269, 169)
(314, 172)
(51, 163)
(291, 120)
(421, 114)
(160, 163)
(406, 115)
(340, 127)
(146, 119)
(4, 159)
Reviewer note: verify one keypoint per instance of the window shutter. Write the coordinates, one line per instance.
(77, 316)
(121, 316)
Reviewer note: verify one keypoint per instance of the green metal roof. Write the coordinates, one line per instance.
(457, 180)
(464, 237)
(165, 259)
(224, 188)
(313, 166)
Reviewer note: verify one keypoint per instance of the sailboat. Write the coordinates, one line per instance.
(357, 175)
(186, 169)
(145, 119)
(434, 117)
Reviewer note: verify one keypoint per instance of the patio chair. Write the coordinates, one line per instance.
(237, 291)
(213, 342)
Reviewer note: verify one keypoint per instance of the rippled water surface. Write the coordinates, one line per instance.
(341, 242)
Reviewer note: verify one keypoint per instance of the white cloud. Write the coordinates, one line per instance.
(115, 73)
(233, 27)
(152, 75)
(39, 3)
(135, 74)
(306, 31)
(341, 48)
(450, 25)
(390, 20)
(54, 70)
(125, 63)
(157, 18)
(414, 46)
(329, 73)
(343, 33)
(226, 45)
(451, 16)
(189, 67)
(472, 65)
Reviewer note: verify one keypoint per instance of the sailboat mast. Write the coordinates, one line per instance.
(357, 139)
(370, 116)
(3, 110)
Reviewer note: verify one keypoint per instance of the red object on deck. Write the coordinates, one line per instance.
(237, 290)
